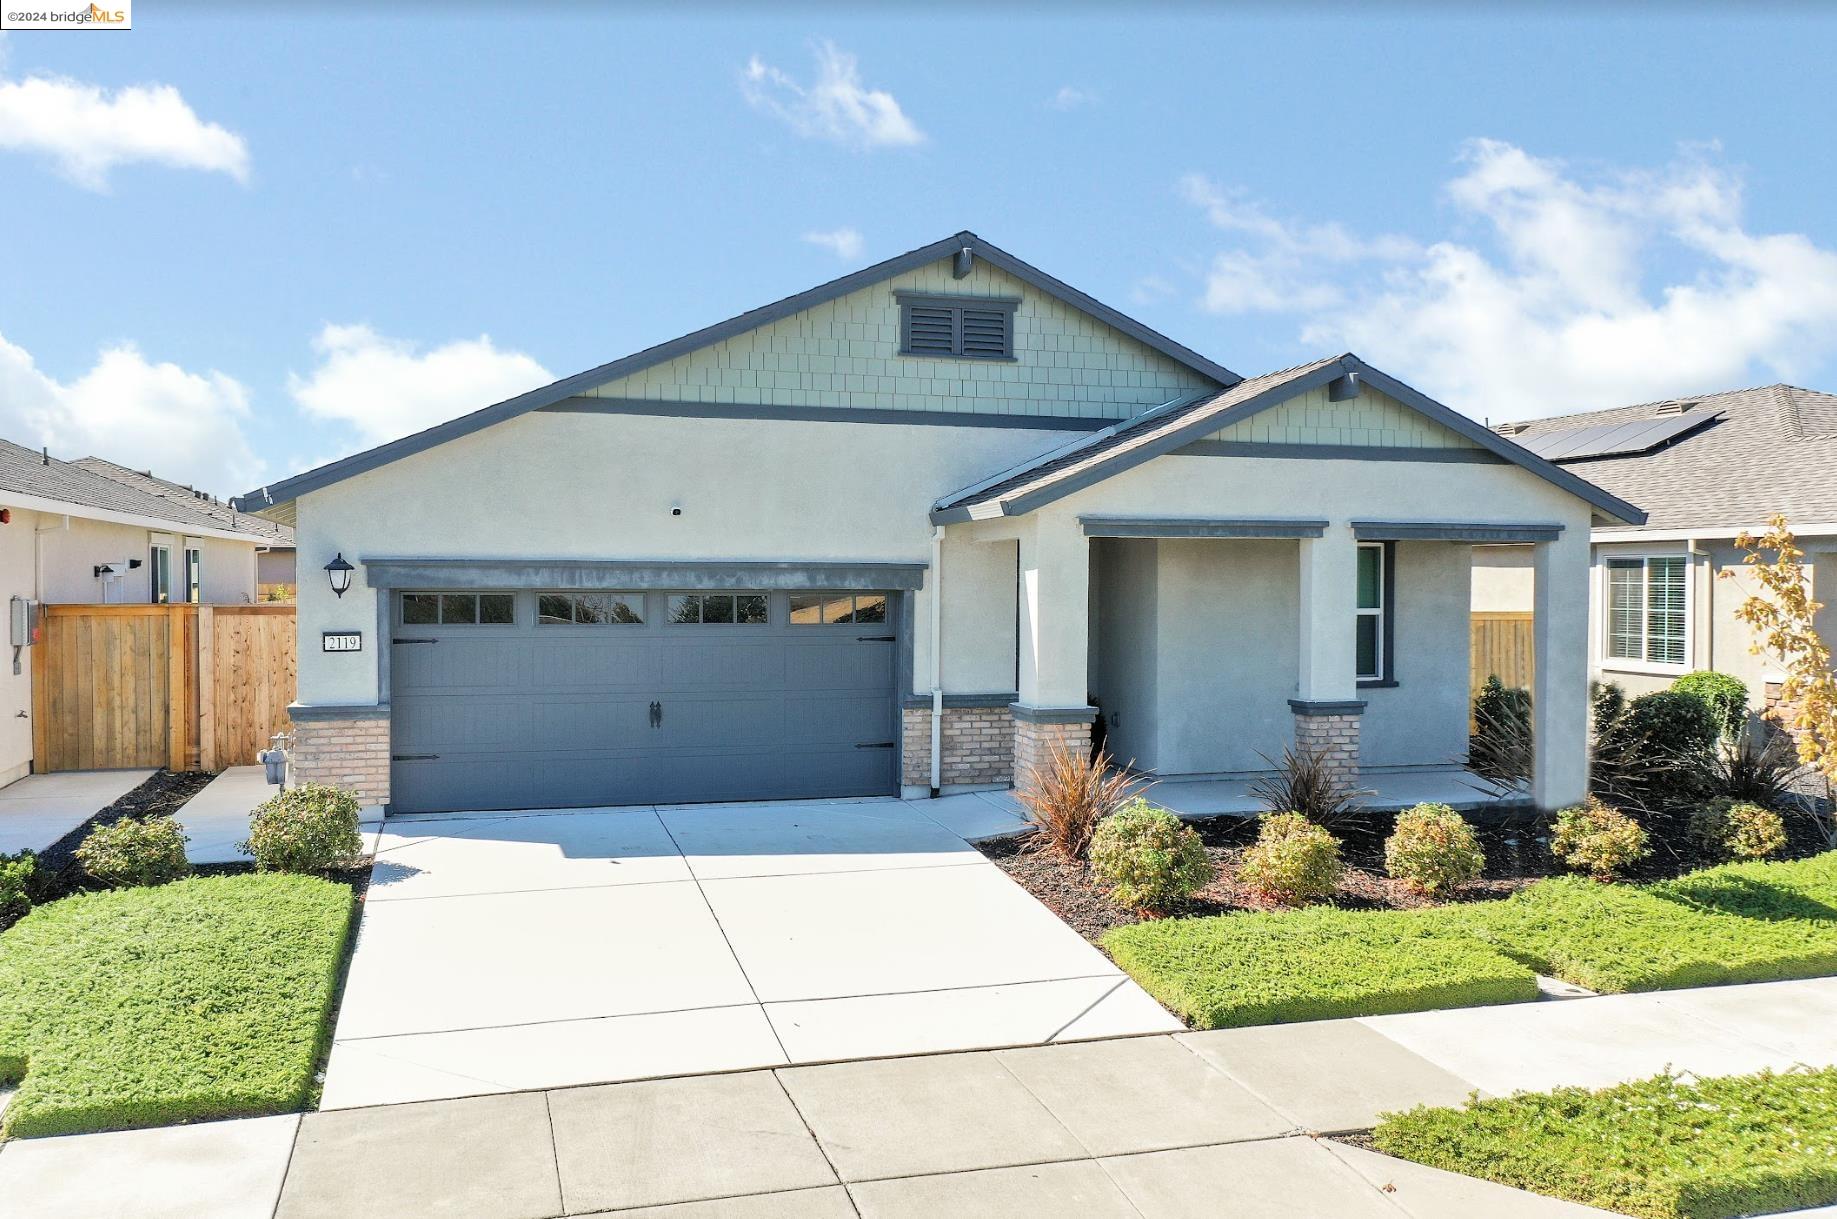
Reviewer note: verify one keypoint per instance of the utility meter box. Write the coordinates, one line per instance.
(25, 622)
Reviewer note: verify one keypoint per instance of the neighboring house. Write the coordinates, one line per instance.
(92, 532)
(714, 569)
(1705, 469)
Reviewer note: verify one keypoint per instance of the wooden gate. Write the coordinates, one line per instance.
(180, 686)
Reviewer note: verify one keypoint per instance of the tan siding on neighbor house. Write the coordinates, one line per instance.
(1372, 418)
(845, 353)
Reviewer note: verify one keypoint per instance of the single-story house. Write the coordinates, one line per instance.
(1705, 469)
(899, 532)
(93, 532)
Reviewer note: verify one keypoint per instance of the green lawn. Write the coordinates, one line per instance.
(1312, 964)
(1660, 1148)
(1738, 923)
(204, 998)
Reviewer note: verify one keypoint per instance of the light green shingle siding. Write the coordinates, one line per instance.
(1372, 418)
(845, 353)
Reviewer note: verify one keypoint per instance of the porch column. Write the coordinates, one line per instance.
(1327, 706)
(1054, 643)
(1559, 698)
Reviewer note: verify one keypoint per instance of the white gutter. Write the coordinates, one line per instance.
(1813, 529)
(54, 507)
(937, 659)
(1701, 619)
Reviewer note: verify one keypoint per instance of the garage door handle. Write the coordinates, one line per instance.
(877, 745)
(874, 638)
(417, 641)
(656, 715)
(413, 757)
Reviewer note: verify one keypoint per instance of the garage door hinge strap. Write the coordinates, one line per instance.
(877, 745)
(415, 641)
(413, 757)
(874, 638)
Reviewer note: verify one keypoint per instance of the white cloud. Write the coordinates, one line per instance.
(843, 243)
(384, 388)
(186, 426)
(1070, 97)
(88, 131)
(837, 107)
(1574, 289)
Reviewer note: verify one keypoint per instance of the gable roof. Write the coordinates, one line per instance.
(104, 490)
(1091, 459)
(265, 498)
(1756, 452)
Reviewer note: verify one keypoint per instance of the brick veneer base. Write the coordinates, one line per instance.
(1033, 745)
(978, 746)
(1336, 737)
(348, 753)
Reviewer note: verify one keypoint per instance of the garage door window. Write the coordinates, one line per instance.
(590, 609)
(724, 609)
(459, 609)
(828, 609)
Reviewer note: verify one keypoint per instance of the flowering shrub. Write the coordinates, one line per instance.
(1293, 861)
(309, 828)
(1148, 858)
(1597, 839)
(1433, 850)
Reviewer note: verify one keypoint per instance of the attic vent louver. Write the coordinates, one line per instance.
(1509, 429)
(1673, 408)
(971, 327)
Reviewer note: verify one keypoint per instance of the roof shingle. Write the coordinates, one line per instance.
(94, 483)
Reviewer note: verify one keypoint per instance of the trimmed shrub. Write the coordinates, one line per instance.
(1500, 747)
(1597, 839)
(16, 875)
(1148, 858)
(134, 852)
(309, 828)
(1433, 850)
(1735, 829)
(1293, 861)
(1672, 724)
(1725, 696)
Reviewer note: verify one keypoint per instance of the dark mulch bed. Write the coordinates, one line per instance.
(1517, 854)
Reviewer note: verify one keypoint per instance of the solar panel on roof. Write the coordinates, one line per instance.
(1616, 439)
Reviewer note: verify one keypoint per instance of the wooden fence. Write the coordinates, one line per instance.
(1502, 644)
(181, 686)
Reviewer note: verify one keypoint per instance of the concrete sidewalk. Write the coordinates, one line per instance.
(38, 810)
(216, 820)
(1146, 1127)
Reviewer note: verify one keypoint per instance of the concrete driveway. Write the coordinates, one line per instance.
(502, 952)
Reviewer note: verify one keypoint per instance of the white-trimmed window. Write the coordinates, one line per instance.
(194, 571)
(1373, 606)
(159, 570)
(1647, 609)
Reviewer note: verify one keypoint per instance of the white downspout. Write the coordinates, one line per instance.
(1699, 616)
(937, 659)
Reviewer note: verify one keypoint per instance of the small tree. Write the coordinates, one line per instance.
(1782, 616)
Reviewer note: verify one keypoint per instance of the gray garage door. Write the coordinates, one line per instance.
(555, 700)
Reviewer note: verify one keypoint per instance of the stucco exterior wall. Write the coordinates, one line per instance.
(16, 580)
(275, 567)
(68, 559)
(845, 354)
(1127, 676)
(1424, 717)
(550, 485)
(1502, 580)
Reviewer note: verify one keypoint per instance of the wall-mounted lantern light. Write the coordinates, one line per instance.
(339, 572)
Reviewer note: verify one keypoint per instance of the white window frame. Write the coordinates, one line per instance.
(159, 542)
(1378, 612)
(1628, 664)
(191, 572)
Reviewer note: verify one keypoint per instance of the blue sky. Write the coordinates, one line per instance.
(332, 228)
